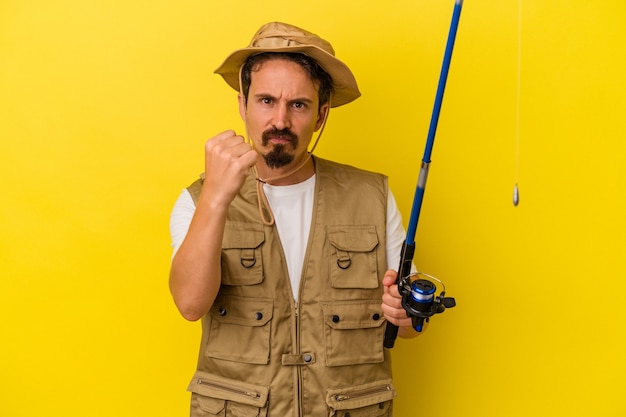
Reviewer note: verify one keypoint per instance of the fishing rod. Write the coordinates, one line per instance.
(418, 297)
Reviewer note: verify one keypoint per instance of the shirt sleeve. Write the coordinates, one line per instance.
(180, 219)
(396, 234)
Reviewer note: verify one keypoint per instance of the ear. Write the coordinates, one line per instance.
(321, 116)
(242, 106)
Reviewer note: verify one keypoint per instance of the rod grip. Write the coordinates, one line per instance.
(404, 272)
(391, 333)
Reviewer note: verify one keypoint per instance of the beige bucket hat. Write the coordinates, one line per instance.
(282, 37)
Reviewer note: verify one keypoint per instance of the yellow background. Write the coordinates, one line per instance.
(104, 110)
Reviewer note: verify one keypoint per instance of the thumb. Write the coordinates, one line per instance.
(389, 278)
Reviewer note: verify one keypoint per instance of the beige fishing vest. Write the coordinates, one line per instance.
(264, 354)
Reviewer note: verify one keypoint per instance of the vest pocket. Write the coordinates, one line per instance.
(353, 332)
(213, 395)
(371, 400)
(353, 261)
(240, 329)
(242, 263)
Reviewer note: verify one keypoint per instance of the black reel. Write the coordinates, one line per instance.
(420, 302)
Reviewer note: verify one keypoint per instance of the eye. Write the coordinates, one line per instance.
(266, 100)
(299, 105)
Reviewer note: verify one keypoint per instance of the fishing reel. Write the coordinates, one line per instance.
(419, 299)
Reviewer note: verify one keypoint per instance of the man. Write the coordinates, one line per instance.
(283, 254)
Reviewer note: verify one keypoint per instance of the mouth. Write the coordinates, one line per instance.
(279, 138)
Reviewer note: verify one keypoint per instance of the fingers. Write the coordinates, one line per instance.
(229, 148)
(393, 310)
(228, 159)
(392, 301)
(390, 277)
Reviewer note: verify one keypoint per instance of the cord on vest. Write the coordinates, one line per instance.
(265, 211)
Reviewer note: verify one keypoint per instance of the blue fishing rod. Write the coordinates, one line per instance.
(418, 296)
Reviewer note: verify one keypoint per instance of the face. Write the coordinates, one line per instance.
(282, 112)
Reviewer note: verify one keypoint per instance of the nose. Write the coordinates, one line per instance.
(281, 117)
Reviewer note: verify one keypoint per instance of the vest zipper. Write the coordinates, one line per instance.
(298, 370)
(235, 390)
(361, 393)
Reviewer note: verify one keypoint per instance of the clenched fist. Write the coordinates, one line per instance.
(228, 159)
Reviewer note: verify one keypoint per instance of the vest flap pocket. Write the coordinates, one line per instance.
(242, 311)
(353, 256)
(375, 395)
(357, 314)
(240, 329)
(222, 389)
(353, 238)
(248, 238)
(353, 332)
(242, 261)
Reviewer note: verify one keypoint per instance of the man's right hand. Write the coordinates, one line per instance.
(228, 159)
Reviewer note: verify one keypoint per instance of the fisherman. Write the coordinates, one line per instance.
(286, 257)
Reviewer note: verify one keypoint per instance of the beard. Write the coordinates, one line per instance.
(279, 155)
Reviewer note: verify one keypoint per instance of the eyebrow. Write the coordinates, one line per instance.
(294, 100)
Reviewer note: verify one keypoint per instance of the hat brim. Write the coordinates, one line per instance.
(346, 89)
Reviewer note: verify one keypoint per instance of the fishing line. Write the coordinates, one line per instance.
(518, 104)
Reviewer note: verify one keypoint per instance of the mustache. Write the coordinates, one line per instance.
(278, 133)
